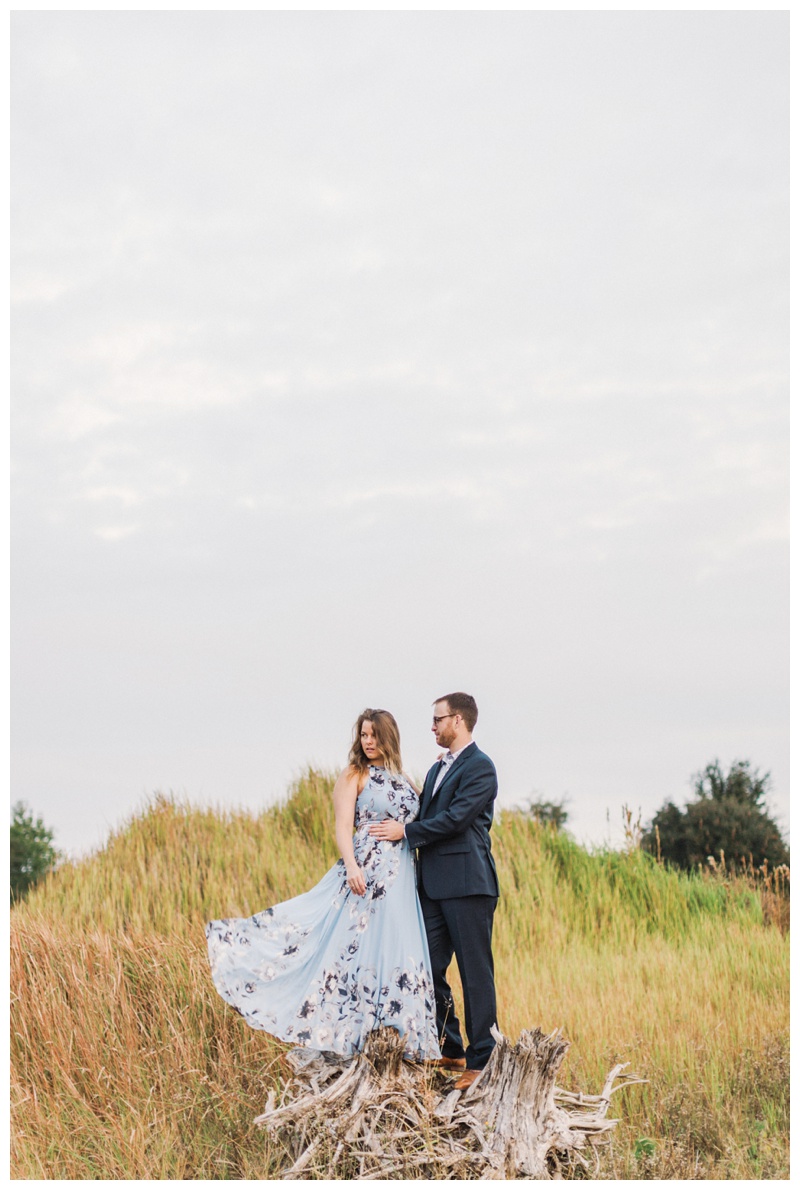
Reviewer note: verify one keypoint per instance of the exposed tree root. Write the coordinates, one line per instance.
(376, 1116)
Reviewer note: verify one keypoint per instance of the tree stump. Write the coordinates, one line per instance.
(377, 1116)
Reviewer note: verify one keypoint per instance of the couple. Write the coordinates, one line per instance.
(371, 943)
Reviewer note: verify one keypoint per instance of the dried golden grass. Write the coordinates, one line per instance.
(127, 1065)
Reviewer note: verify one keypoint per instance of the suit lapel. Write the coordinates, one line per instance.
(427, 790)
(454, 767)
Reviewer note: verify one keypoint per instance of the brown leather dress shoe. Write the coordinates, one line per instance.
(448, 1063)
(467, 1079)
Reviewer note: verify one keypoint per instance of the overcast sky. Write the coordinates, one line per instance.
(360, 357)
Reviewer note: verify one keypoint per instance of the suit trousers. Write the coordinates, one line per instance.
(463, 926)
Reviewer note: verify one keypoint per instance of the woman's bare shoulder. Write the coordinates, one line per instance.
(350, 778)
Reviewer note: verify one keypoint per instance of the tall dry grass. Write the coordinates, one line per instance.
(126, 1063)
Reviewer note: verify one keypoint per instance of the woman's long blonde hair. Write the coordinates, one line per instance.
(387, 737)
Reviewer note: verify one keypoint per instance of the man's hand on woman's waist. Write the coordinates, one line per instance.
(389, 829)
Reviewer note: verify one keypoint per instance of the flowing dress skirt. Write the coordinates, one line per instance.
(327, 967)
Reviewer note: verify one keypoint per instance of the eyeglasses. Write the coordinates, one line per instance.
(438, 718)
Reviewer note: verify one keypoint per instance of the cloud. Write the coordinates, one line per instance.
(124, 496)
(116, 532)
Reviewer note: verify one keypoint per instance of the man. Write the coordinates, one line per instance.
(457, 881)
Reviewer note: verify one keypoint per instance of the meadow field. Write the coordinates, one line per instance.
(126, 1064)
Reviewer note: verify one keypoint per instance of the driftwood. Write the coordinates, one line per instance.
(378, 1116)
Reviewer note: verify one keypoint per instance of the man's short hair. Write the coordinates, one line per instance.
(463, 705)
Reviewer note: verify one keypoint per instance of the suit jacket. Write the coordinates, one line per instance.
(454, 854)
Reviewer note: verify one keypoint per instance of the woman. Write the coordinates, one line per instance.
(326, 968)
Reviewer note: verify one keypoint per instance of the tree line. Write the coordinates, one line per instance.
(726, 821)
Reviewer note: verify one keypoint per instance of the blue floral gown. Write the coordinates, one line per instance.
(326, 968)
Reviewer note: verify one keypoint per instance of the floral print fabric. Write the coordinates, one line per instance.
(327, 967)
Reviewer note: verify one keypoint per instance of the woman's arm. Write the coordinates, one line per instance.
(345, 792)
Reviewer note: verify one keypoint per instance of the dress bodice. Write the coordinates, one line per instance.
(386, 795)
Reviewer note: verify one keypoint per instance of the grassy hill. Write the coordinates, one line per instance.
(128, 1065)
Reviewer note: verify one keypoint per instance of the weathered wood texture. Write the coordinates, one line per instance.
(376, 1116)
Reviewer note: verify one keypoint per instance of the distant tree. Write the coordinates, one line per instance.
(727, 815)
(549, 813)
(32, 851)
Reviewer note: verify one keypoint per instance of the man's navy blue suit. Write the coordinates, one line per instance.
(458, 890)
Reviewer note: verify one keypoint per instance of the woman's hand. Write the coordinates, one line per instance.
(356, 881)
